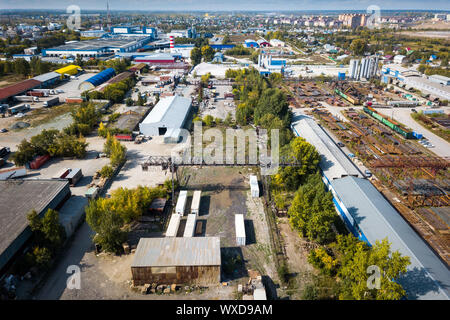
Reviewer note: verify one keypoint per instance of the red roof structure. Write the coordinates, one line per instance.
(18, 88)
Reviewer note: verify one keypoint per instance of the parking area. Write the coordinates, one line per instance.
(217, 105)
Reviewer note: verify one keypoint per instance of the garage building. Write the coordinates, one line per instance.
(97, 80)
(169, 113)
(177, 260)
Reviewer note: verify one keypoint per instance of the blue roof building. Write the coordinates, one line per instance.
(97, 80)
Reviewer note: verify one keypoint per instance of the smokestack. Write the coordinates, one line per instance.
(172, 43)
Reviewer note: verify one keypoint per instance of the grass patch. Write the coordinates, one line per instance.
(43, 115)
(431, 125)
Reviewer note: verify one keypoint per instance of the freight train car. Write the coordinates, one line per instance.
(390, 123)
(350, 99)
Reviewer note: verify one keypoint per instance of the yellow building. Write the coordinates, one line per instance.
(70, 70)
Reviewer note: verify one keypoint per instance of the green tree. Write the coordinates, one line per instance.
(207, 53)
(196, 56)
(356, 257)
(358, 47)
(118, 153)
(106, 172)
(208, 120)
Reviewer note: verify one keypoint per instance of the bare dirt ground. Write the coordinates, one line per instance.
(299, 268)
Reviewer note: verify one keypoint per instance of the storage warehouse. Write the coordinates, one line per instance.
(370, 217)
(169, 113)
(69, 70)
(334, 163)
(97, 47)
(97, 80)
(17, 199)
(181, 203)
(177, 260)
(157, 58)
(48, 79)
(20, 88)
(190, 225)
(195, 207)
(240, 229)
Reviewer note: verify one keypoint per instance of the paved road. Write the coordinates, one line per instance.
(403, 115)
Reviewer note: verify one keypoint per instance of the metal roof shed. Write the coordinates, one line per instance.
(190, 225)
(240, 229)
(195, 207)
(181, 203)
(254, 186)
(427, 276)
(174, 224)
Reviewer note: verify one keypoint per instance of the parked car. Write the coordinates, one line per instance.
(340, 144)
(3, 130)
(103, 155)
(414, 110)
(368, 173)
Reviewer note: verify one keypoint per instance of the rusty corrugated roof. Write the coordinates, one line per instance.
(17, 88)
(170, 252)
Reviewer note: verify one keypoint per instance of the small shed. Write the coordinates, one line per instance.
(195, 207)
(74, 176)
(193, 260)
(174, 223)
(181, 203)
(190, 225)
(240, 229)
(254, 187)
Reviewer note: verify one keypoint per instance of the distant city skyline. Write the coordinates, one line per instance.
(230, 5)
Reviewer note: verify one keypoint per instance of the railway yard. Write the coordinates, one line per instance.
(404, 168)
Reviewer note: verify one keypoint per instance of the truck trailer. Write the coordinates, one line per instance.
(195, 207)
(51, 102)
(181, 203)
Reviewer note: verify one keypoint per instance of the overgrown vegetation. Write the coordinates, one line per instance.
(110, 217)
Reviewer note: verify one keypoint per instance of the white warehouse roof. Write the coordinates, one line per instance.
(169, 112)
(333, 163)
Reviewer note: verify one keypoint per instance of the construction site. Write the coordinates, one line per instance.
(410, 176)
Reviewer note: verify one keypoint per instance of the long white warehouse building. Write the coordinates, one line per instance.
(169, 113)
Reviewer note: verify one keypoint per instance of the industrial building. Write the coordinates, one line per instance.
(157, 58)
(70, 70)
(17, 199)
(190, 260)
(48, 79)
(440, 79)
(97, 47)
(97, 80)
(365, 68)
(134, 31)
(169, 113)
(251, 43)
(370, 217)
(334, 163)
(20, 88)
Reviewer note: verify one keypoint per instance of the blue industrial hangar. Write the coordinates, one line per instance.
(370, 217)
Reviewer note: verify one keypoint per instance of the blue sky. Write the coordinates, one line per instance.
(211, 5)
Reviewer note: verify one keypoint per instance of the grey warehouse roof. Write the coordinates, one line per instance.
(167, 252)
(47, 76)
(17, 199)
(427, 276)
(171, 111)
(334, 163)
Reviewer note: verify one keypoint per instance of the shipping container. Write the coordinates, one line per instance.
(240, 229)
(74, 100)
(124, 137)
(254, 187)
(195, 207)
(39, 161)
(190, 225)
(74, 176)
(174, 223)
(61, 174)
(181, 203)
(91, 193)
(11, 173)
(36, 94)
